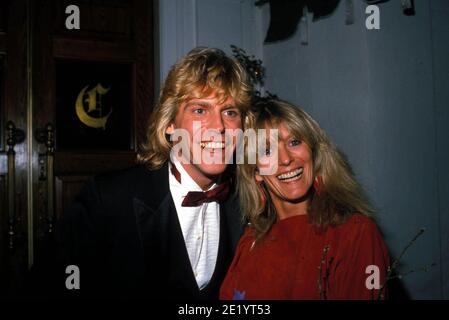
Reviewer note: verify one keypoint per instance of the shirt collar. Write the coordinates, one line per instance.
(187, 183)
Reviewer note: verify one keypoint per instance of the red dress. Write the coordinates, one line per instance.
(296, 261)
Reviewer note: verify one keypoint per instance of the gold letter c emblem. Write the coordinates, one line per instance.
(92, 105)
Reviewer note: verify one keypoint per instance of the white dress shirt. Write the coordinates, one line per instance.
(200, 226)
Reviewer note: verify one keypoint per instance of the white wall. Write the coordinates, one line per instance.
(382, 95)
(185, 24)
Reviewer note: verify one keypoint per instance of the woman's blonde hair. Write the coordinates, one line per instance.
(200, 73)
(340, 195)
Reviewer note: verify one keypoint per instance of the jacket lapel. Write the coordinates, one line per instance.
(230, 211)
(164, 250)
(152, 194)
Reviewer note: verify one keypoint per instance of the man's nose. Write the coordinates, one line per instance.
(217, 123)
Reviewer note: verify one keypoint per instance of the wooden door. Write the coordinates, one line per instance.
(13, 145)
(80, 96)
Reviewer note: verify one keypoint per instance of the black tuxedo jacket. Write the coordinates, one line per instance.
(124, 235)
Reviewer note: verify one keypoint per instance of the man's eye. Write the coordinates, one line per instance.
(199, 111)
(231, 113)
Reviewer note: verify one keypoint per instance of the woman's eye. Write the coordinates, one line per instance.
(295, 142)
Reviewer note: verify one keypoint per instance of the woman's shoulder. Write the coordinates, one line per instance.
(359, 220)
(358, 225)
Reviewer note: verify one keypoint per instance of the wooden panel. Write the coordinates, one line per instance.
(106, 122)
(67, 188)
(2, 42)
(144, 68)
(78, 163)
(15, 82)
(99, 40)
(93, 50)
(98, 19)
(4, 4)
(2, 101)
(3, 233)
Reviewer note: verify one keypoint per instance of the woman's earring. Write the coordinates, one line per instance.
(317, 184)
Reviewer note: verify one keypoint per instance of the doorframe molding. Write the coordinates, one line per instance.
(29, 132)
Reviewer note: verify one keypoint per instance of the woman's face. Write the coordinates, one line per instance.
(294, 175)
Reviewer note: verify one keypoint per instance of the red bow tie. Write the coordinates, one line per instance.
(197, 198)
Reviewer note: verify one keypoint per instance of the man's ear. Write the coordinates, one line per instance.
(170, 129)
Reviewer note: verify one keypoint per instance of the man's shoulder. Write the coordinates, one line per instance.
(130, 176)
(131, 181)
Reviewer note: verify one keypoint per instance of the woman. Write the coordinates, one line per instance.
(310, 235)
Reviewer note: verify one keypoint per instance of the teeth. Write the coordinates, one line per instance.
(213, 145)
(290, 174)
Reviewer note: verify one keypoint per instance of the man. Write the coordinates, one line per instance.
(153, 230)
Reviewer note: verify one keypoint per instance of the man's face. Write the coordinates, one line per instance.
(205, 120)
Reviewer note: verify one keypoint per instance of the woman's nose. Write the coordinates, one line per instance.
(284, 156)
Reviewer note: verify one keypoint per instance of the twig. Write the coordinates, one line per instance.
(424, 269)
(395, 263)
(320, 268)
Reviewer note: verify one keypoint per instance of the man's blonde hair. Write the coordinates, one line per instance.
(200, 73)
